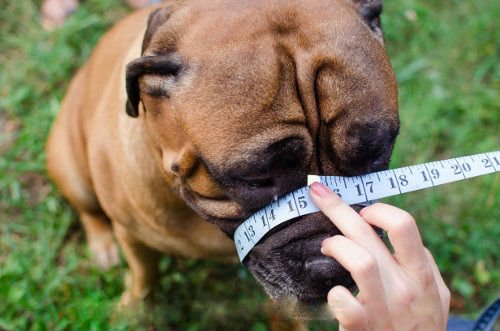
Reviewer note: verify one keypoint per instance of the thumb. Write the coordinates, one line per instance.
(347, 309)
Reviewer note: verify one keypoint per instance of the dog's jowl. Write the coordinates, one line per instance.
(190, 116)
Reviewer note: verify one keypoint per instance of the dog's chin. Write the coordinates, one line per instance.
(289, 264)
(288, 261)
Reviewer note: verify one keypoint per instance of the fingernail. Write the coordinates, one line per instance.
(323, 246)
(362, 211)
(320, 190)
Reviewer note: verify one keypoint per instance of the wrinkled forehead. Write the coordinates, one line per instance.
(215, 25)
(238, 100)
(237, 55)
(232, 40)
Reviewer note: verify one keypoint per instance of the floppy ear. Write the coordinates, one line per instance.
(155, 20)
(165, 65)
(370, 10)
(139, 66)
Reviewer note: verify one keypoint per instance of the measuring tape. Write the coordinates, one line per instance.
(362, 190)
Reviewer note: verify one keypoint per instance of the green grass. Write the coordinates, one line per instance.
(446, 55)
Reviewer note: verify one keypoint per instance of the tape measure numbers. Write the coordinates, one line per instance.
(362, 190)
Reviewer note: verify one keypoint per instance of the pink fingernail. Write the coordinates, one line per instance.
(320, 190)
(323, 246)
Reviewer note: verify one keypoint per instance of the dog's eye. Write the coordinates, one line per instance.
(154, 91)
(156, 85)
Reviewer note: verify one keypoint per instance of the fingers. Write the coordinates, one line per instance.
(406, 290)
(336, 210)
(347, 309)
(347, 220)
(403, 235)
(361, 264)
(364, 269)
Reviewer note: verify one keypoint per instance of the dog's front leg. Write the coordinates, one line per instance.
(100, 239)
(143, 275)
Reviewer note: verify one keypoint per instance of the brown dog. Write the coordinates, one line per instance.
(230, 103)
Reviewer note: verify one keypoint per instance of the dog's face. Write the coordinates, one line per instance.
(243, 99)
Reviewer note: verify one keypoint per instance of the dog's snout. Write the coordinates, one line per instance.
(277, 159)
(319, 269)
(365, 147)
(372, 142)
(285, 155)
(271, 171)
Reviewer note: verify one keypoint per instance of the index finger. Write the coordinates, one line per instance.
(344, 217)
(402, 232)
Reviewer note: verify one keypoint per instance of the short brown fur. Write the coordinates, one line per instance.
(254, 74)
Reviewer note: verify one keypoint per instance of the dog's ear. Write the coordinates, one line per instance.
(144, 65)
(155, 20)
(165, 65)
(370, 10)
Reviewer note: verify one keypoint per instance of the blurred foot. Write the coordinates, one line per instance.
(55, 12)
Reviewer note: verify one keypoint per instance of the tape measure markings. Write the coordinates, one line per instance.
(429, 174)
(491, 162)
(363, 190)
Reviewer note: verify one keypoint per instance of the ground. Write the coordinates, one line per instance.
(446, 55)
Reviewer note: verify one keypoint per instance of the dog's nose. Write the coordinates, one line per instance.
(320, 269)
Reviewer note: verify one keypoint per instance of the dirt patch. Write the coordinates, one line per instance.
(8, 131)
(36, 187)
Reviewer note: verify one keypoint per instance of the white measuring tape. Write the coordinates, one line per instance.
(362, 190)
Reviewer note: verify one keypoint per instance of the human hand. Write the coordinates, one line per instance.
(403, 291)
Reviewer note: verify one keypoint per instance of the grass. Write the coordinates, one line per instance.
(446, 56)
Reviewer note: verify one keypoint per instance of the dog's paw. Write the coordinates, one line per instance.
(136, 294)
(126, 300)
(104, 251)
(129, 298)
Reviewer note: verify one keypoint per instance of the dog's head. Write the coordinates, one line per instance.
(243, 99)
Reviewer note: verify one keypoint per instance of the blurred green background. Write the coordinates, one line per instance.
(446, 55)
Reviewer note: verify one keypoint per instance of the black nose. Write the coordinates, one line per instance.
(321, 274)
(320, 269)
(271, 172)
